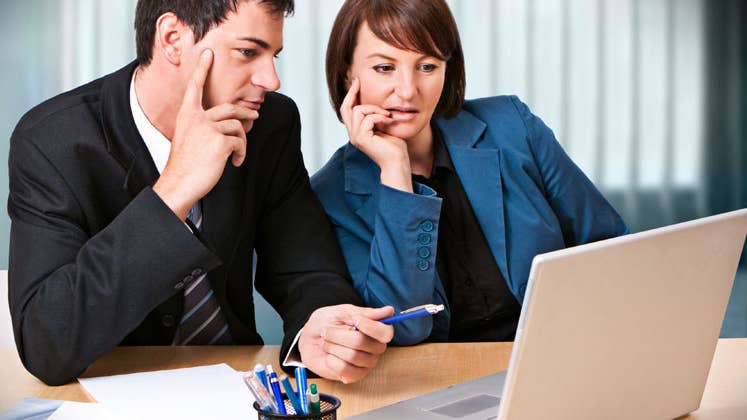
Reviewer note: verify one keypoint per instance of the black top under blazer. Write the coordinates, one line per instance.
(98, 260)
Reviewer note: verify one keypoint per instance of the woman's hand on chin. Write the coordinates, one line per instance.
(388, 152)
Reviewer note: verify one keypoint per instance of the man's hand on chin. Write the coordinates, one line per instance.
(344, 342)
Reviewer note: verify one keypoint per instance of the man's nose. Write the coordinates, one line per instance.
(267, 77)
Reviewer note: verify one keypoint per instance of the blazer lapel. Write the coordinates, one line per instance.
(477, 163)
(222, 210)
(123, 141)
(362, 177)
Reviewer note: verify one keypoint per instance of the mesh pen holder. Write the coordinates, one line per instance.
(328, 410)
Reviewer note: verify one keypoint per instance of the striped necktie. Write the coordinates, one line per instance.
(203, 321)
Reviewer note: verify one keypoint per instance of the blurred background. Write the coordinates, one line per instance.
(649, 97)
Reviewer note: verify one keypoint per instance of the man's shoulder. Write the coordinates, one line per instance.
(62, 111)
(278, 111)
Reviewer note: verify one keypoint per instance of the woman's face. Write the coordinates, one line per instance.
(405, 83)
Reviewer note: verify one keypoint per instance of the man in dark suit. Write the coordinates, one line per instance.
(129, 226)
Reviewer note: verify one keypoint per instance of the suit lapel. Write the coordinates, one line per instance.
(362, 177)
(477, 162)
(123, 141)
(222, 211)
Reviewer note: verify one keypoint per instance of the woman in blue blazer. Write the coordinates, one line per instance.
(395, 71)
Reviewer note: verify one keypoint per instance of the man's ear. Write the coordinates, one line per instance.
(171, 36)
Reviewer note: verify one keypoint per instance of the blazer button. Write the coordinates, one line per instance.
(427, 226)
(424, 252)
(424, 239)
(197, 272)
(168, 320)
(423, 265)
(179, 285)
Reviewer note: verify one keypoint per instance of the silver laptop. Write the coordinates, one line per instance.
(622, 328)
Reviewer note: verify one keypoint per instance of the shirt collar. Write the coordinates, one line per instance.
(158, 145)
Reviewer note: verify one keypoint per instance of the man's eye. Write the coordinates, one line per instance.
(384, 68)
(428, 67)
(248, 53)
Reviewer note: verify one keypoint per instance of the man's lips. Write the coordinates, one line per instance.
(255, 105)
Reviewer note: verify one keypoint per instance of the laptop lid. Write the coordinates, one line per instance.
(626, 327)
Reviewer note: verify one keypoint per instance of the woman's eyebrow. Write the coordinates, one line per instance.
(386, 57)
(379, 55)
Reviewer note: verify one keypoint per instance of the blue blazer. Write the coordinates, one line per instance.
(527, 194)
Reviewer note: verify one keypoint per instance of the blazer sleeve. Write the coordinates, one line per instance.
(584, 214)
(300, 267)
(386, 267)
(75, 296)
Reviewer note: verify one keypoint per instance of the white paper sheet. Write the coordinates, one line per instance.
(206, 392)
(70, 410)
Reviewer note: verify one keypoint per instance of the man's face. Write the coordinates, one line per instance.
(244, 46)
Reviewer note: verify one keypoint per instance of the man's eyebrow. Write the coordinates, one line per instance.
(262, 43)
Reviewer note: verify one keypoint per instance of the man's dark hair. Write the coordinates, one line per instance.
(199, 15)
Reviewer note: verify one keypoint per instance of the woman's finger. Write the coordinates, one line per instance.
(346, 108)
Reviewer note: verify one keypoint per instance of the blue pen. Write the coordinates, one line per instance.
(259, 370)
(292, 397)
(273, 378)
(415, 312)
(301, 388)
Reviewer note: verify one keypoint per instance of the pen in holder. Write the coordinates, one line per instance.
(328, 410)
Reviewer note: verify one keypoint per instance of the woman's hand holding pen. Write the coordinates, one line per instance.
(333, 349)
(388, 152)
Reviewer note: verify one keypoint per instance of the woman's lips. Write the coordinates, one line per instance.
(402, 115)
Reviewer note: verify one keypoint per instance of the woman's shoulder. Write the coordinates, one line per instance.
(331, 177)
(487, 109)
(505, 116)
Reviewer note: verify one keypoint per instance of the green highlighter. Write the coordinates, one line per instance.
(314, 406)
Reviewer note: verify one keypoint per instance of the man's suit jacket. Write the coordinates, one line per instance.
(98, 260)
(526, 193)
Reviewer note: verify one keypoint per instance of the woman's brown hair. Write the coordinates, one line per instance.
(424, 26)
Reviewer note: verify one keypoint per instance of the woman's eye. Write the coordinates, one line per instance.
(384, 68)
(428, 67)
